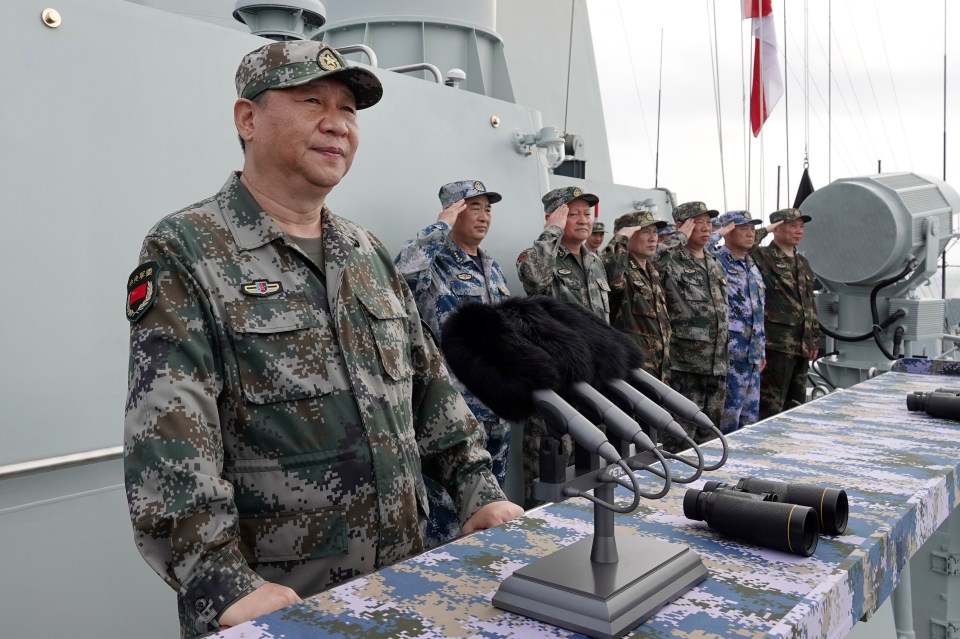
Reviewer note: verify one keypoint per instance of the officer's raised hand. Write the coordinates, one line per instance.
(558, 217)
(687, 227)
(772, 226)
(724, 230)
(449, 214)
(628, 231)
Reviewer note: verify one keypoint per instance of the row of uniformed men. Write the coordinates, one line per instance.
(718, 323)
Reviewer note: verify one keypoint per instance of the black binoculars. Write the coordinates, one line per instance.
(943, 403)
(759, 511)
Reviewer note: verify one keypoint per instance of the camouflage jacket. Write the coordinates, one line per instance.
(745, 298)
(548, 268)
(792, 325)
(696, 292)
(278, 416)
(442, 276)
(638, 306)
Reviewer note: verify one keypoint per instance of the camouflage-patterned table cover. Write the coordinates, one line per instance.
(899, 470)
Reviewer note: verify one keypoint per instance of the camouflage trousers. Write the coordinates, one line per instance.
(742, 404)
(707, 392)
(533, 429)
(783, 383)
(443, 524)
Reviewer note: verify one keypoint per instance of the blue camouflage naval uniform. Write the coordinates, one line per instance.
(281, 413)
(443, 276)
(745, 297)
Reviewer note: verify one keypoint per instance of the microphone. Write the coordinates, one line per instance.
(577, 365)
(666, 396)
(488, 348)
(617, 357)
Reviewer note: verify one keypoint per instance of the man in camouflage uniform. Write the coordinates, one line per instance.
(558, 264)
(283, 400)
(596, 238)
(445, 267)
(696, 291)
(745, 296)
(792, 327)
(637, 303)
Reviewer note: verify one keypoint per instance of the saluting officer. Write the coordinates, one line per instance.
(745, 299)
(445, 267)
(558, 264)
(638, 306)
(792, 326)
(696, 292)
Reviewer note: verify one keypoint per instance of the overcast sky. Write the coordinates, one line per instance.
(888, 104)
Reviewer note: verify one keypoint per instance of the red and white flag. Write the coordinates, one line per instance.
(767, 86)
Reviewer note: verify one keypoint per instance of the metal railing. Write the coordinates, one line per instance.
(420, 66)
(63, 461)
(360, 48)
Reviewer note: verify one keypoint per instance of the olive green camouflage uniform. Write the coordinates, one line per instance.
(280, 412)
(548, 268)
(696, 292)
(792, 326)
(638, 306)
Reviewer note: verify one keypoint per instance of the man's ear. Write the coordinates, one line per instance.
(243, 118)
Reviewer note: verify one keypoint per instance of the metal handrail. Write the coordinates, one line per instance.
(60, 462)
(420, 66)
(360, 48)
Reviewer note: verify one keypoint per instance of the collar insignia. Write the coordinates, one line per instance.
(261, 288)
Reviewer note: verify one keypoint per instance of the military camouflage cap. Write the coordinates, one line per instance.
(737, 218)
(642, 219)
(453, 191)
(666, 229)
(688, 210)
(565, 195)
(789, 215)
(599, 227)
(281, 65)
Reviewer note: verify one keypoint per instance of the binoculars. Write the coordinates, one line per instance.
(943, 403)
(773, 514)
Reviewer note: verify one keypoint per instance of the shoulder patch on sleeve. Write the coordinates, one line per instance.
(142, 289)
(523, 256)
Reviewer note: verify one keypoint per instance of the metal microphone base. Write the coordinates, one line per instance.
(605, 600)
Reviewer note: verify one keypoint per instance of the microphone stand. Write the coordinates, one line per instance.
(591, 586)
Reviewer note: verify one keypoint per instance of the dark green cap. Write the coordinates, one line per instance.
(788, 215)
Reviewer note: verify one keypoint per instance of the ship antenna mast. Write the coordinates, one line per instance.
(656, 166)
(716, 92)
(566, 104)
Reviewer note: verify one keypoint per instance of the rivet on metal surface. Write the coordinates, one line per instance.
(494, 121)
(51, 18)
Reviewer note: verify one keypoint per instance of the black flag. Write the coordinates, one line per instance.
(805, 188)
